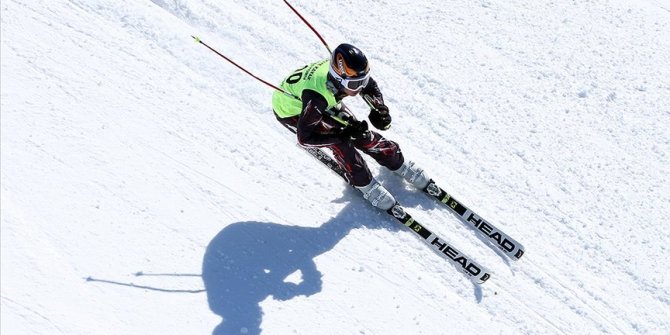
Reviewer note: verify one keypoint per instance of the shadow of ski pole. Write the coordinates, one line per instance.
(144, 287)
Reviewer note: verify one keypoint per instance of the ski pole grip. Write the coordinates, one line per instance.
(368, 100)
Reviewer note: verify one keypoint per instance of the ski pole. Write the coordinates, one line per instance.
(198, 40)
(369, 102)
(309, 25)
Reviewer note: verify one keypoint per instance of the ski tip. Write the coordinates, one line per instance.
(481, 279)
(196, 38)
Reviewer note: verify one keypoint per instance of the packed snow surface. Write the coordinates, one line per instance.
(148, 189)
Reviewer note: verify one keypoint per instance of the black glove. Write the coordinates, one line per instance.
(355, 130)
(380, 117)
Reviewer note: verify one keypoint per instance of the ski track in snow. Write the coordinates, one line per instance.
(126, 147)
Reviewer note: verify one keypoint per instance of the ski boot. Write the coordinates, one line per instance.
(377, 195)
(413, 174)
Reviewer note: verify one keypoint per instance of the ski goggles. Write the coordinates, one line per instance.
(353, 84)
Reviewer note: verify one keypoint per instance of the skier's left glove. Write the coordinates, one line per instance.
(356, 130)
(380, 117)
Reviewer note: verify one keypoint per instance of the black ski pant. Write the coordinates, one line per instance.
(386, 152)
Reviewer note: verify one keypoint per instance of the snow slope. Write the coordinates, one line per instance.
(147, 189)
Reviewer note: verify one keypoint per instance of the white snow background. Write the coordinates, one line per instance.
(148, 189)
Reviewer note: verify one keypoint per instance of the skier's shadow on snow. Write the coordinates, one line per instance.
(249, 261)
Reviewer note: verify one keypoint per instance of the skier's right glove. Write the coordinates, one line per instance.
(356, 130)
(380, 117)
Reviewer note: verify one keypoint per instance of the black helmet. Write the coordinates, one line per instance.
(349, 67)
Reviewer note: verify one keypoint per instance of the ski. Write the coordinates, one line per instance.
(473, 270)
(327, 161)
(493, 235)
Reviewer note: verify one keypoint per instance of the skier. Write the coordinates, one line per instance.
(320, 119)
